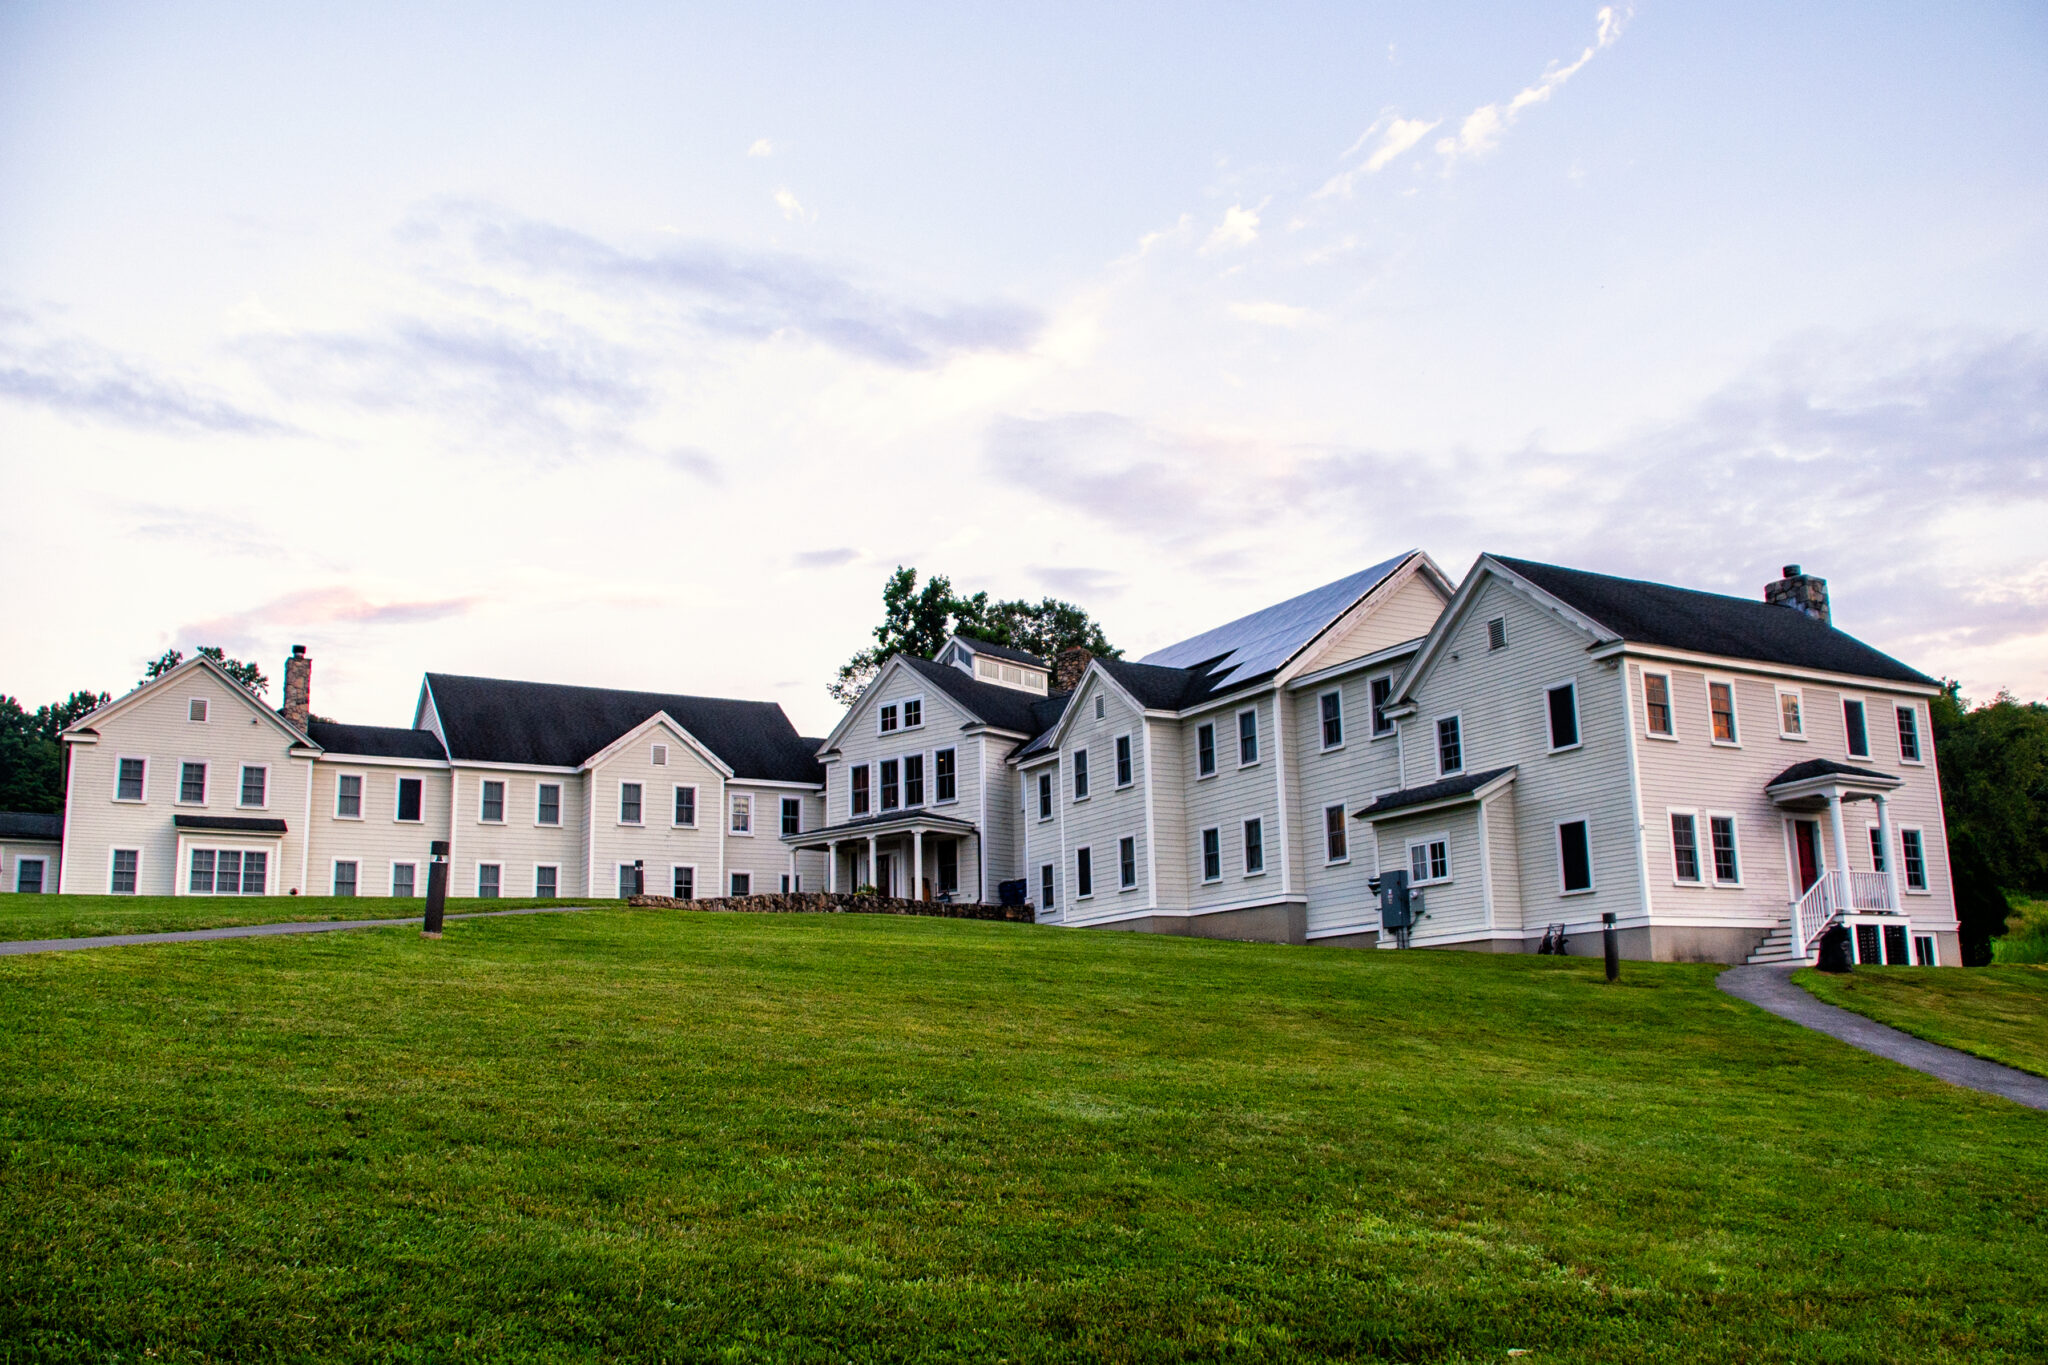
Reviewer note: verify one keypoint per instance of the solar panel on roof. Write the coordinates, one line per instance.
(1268, 638)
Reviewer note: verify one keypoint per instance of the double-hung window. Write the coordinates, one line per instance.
(1791, 714)
(547, 803)
(945, 783)
(547, 881)
(404, 879)
(857, 790)
(1336, 847)
(1450, 746)
(1127, 863)
(1247, 738)
(1045, 795)
(1084, 873)
(1914, 859)
(1123, 760)
(1382, 693)
(348, 797)
(130, 776)
(1080, 774)
(1205, 750)
(1574, 857)
(948, 854)
(683, 883)
(913, 780)
(410, 791)
(742, 813)
(1727, 863)
(344, 877)
(1909, 734)
(1685, 847)
(255, 785)
(1429, 860)
(1048, 887)
(28, 876)
(792, 815)
(742, 883)
(1876, 849)
(1857, 728)
(1561, 704)
(1254, 847)
(1657, 704)
(1212, 855)
(892, 790)
(629, 803)
(490, 880)
(491, 803)
(192, 784)
(1721, 710)
(685, 814)
(1333, 719)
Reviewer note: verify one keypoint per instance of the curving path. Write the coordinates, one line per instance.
(1771, 988)
(317, 926)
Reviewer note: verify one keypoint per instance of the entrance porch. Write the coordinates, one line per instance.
(915, 855)
(1828, 891)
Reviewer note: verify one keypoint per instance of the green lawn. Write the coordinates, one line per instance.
(85, 916)
(2000, 1013)
(648, 1135)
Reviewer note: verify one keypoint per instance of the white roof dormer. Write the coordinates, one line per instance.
(997, 664)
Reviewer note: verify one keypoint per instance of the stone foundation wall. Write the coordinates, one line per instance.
(845, 903)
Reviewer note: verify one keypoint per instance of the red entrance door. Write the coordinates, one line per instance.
(1806, 834)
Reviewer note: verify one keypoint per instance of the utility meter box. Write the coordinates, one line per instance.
(1397, 909)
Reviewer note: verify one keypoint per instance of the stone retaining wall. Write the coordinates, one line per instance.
(845, 903)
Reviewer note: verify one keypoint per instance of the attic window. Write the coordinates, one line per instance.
(887, 722)
(196, 709)
(1497, 633)
(988, 668)
(660, 756)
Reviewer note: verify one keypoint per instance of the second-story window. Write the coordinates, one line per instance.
(1791, 715)
(129, 775)
(410, 791)
(1333, 719)
(1657, 703)
(1045, 795)
(1450, 746)
(742, 813)
(1909, 734)
(1721, 707)
(857, 790)
(348, 796)
(887, 721)
(192, 784)
(892, 794)
(1080, 774)
(547, 803)
(1336, 848)
(1123, 760)
(1205, 751)
(686, 808)
(792, 815)
(943, 778)
(1563, 706)
(913, 780)
(1247, 738)
(255, 785)
(629, 803)
(491, 802)
(1382, 693)
(1853, 723)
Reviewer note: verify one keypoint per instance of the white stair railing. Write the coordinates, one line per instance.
(1821, 906)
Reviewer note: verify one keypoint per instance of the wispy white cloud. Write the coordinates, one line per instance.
(1389, 136)
(1481, 130)
(311, 608)
(761, 147)
(792, 208)
(1240, 227)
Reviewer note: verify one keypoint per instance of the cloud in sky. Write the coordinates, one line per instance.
(824, 559)
(792, 208)
(1390, 136)
(761, 146)
(1240, 227)
(1482, 128)
(311, 609)
(82, 380)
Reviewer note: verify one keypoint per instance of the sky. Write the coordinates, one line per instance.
(635, 345)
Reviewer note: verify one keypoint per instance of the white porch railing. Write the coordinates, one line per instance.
(1837, 894)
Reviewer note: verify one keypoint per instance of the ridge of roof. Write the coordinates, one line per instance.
(996, 651)
(1642, 612)
(500, 720)
(1006, 708)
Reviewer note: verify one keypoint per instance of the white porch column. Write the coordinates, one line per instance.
(872, 865)
(917, 864)
(1841, 858)
(832, 866)
(1891, 857)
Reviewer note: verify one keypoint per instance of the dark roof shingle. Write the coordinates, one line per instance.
(1827, 767)
(494, 720)
(1449, 787)
(996, 651)
(21, 824)
(1006, 708)
(374, 741)
(1712, 623)
(230, 824)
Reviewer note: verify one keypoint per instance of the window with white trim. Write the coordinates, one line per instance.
(1909, 733)
(1247, 738)
(1721, 712)
(227, 871)
(1685, 847)
(131, 779)
(1574, 857)
(857, 790)
(1876, 849)
(1336, 843)
(490, 807)
(1856, 727)
(411, 792)
(792, 815)
(1429, 859)
(344, 877)
(1127, 863)
(892, 791)
(28, 876)
(1561, 708)
(1254, 847)
(913, 779)
(1212, 855)
(1657, 705)
(255, 785)
(1727, 858)
(913, 713)
(547, 881)
(1450, 746)
(1084, 873)
(1332, 706)
(1123, 760)
(1382, 690)
(1791, 713)
(1205, 750)
(192, 784)
(348, 796)
(195, 710)
(1048, 889)
(1913, 850)
(945, 782)
(1100, 710)
(547, 803)
(629, 880)
(1045, 795)
(490, 879)
(1080, 774)
(404, 878)
(682, 882)
(885, 722)
(630, 804)
(742, 813)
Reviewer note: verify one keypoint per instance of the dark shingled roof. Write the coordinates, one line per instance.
(21, 824)
(374, 741)
(493, 720)
(915, 815)
(229, 824)
(996, 651)
(1710, 623)
(1433, 791)
(1827, 767)
(1006, 708)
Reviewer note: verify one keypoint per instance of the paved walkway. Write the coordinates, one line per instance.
(1772, 988)
(318, 926)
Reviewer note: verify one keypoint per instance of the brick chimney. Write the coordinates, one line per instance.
(298, 688)
(1068, 668)
(1801, 592)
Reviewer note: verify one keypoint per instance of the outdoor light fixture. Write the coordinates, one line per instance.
(437, 887)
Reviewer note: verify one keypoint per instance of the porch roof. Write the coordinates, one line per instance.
(229, 824)
(894, 822)
(1451, 791)
(1816, 777)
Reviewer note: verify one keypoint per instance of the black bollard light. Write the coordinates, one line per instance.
(437, 888)
(1610, 940)
(639, 876)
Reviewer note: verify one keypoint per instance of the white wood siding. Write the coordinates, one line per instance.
(657, 841)
(1455, 910)
(12, 851)
(1338, 896)
(378, 839)
(1234, 795)
(1407, 613)
(1109, 814)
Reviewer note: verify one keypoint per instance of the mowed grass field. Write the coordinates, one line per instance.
(1999, 1013)
(655, 1135)
(33, 917)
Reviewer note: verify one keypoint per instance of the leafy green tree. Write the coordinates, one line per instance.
(248, 675)
(1994, 793)
(919, 620)
(31, 756)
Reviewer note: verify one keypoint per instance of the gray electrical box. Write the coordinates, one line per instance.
(1397, 909)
